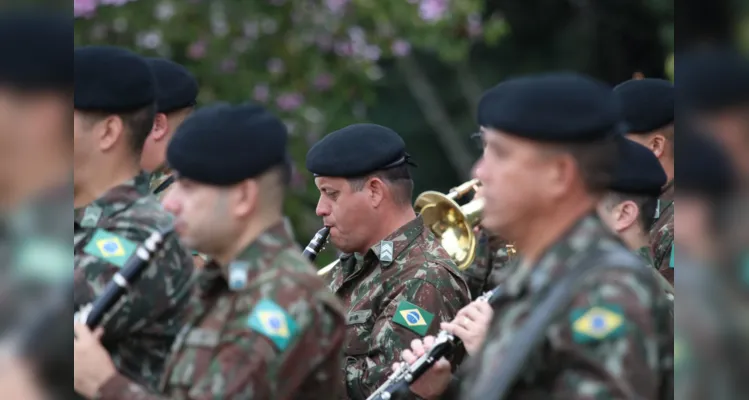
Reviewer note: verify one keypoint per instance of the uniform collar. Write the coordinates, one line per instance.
(126, 192)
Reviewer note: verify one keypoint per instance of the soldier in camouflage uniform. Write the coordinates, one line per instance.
(556, 155)
(176, 96)
(648, 110)
(711, 347)
(629, 208)
(114, 212)
(36, 90)
(261, 325)
(395, 279)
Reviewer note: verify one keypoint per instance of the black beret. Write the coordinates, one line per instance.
(646, 104)
(35, 48)
(638, 170)
(357, 150)
(225, 144)
(112, 79)
(555, 107)
(176, 87)
(704, 166)
(712, 80)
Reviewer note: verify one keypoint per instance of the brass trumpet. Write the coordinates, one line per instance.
(451, 223)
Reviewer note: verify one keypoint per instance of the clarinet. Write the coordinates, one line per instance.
(444, 344)
(93, 313)
(316, 244)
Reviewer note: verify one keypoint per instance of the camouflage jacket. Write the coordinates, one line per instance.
(662, 233)
(156, 179)
(34, 252)
(106, 232)
(265, 327)
(492, 254)
(613, 341)
(646, 255)
(400, 290)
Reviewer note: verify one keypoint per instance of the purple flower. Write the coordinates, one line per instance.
(197, 50)
(432, 10)
(261, 93)
(276, 66)
(344, 49)
(289, 101)
(323, 82)
(474, 26)
(229, 65)
(336, 6)
(400, 48)
(84, 8)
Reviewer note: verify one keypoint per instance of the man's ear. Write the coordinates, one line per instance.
(160, 127)
(109, 131)
(657, 144)
(376, 189)
(626, 215)
(246, 198)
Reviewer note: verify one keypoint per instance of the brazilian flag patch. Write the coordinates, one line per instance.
(109, 247)
(413, 317)
(597, 323)
(273, 322)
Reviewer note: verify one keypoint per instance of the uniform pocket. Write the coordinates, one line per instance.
(197, 350)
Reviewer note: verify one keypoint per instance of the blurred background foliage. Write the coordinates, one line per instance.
(418, 66)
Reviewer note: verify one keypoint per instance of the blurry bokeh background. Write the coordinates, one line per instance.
(417, 66)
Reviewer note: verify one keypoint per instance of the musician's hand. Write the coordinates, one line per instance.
(434, 382)
(93, 367)
(470, 325)
(17, 381)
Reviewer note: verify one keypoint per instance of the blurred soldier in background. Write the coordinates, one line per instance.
(396, 280)
(714, 84)
(115, 211)
(492, 255)
(36, 93)
(711, 348)
(629, 208)
(576, 293)
(176, 94)
(648, 112)
(262, 325)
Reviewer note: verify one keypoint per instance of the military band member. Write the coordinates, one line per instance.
(36, 92)
(714, 85)
(629, 208)
(396, 281)
(176, 95)
(493, 254)
(262, 324)
(648, 112)
(115, 212)
(550, 138)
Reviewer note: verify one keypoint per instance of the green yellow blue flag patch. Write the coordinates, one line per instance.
(273, 322)
(413, 317)
(110, 247)
(597, 323)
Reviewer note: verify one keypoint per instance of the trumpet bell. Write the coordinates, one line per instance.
(452, 224)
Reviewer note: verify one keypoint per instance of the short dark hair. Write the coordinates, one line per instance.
(597, 161)
(138, 123)
(646, 204)
(399, 179)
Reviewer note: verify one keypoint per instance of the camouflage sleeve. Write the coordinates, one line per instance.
(661, 244)
(413, 310)
(163, 286)
(609, 340)
(267, 352)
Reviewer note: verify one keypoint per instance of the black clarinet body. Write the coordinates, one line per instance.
(126, 277)
(316, 244)
(445, 344)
